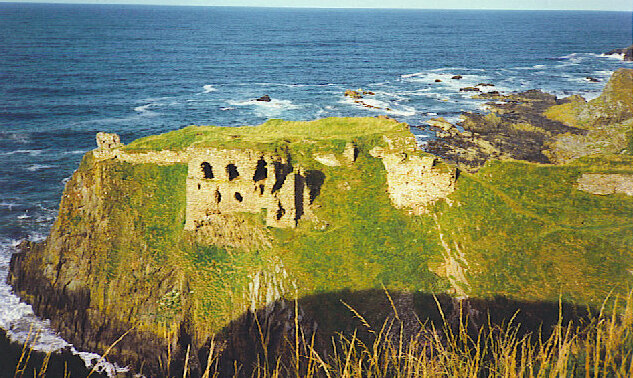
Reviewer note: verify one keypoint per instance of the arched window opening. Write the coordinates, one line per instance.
(207, 171)
(261, 172)
(231, 169)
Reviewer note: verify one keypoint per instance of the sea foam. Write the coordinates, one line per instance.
(208, 88)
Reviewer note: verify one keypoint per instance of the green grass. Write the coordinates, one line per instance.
(365, 243)
(528, 233)
(269, 135)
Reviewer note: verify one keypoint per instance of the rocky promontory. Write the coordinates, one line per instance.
(537, 127)
(238, 245)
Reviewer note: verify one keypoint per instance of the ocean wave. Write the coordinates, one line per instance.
(17, 317)
(38, 167)
(24, 216)
(75, 152)
(144, 110)
(446, 80)
(10, 205)
(16, 137)
(271, 108)
(379, 106)
(613, 56)
(25, 152)
(208, 88)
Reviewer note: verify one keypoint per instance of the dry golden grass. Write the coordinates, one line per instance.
(602, 347)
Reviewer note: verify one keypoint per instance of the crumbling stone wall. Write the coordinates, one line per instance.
(414, 181)
(229, 181)
(222, 182)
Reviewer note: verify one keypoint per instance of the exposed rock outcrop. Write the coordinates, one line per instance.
(605, 121)
(626, 53)
(538, 127)
(264, 98)
(606, 183)
(515, 128)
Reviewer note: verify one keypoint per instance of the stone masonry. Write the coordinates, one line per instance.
(229, 181)
(221, 182)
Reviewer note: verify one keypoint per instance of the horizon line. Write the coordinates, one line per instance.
(299, 7)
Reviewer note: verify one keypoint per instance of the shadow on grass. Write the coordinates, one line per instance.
(260, 341)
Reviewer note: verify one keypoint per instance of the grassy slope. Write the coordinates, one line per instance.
(607, 118)
(529, 234)
(267, 135)
(366, 243)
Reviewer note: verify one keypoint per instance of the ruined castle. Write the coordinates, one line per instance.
(221, 181)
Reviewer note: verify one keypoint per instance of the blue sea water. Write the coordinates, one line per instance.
(69, 71)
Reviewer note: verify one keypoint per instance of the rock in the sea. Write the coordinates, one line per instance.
(485, 85)
(438, 80)
(470, 89)
(592, 79)
(264, 98)
(353, 94)
(457, 77)
(627, 53)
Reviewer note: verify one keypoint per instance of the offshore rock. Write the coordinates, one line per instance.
(626, 53)
(264, 98)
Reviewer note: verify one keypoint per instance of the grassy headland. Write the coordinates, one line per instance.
(512, 231)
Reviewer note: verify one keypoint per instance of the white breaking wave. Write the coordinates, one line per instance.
(9, 205)
(16, 137)
(38, 167)
(208, 88)
(25, 152)
(613, 56)
(144, 110)
(271, 108)
(381, 106)
(75, 152)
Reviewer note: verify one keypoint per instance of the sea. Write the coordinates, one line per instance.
(70, 71)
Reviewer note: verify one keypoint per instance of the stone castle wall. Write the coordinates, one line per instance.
(221, 182)
(228, 181)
